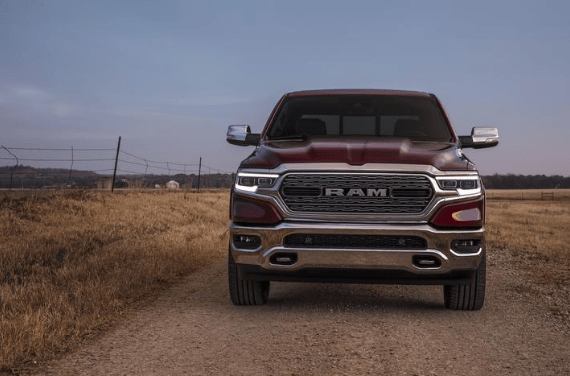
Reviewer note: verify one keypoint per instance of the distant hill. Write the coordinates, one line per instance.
(38, 178)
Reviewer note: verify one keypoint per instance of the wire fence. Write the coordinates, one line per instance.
(33, 168)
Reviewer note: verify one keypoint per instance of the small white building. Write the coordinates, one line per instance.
(105, 183)
(172, 185)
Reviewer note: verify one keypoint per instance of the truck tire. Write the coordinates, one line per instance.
(469, 297)
(245, 292)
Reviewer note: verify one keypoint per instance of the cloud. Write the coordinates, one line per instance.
(28, 99)
(68, 135)
(30, 93)
(25, 96)
(208, 100)
(63, 109)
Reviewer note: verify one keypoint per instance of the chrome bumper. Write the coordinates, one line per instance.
(438, 246)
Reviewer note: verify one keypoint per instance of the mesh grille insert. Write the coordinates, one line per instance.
(354, 241)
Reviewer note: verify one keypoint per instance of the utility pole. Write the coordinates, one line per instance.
(70, 168)
(17, 163)
(116, 162)
(199, 170)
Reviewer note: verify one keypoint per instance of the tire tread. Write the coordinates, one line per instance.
(468, 297)
(245, 292)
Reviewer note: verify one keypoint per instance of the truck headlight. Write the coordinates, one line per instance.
(459, 183)
(248, 182)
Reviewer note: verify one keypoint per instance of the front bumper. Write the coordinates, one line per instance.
(357, 265)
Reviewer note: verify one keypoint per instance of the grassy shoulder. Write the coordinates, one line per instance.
(70, 262)
(533, 228)
(529, 194)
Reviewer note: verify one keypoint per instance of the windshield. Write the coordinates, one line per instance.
(416, 118)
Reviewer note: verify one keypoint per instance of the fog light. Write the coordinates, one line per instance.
(466, 245)
(247, 241)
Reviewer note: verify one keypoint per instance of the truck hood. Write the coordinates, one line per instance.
(357, 151)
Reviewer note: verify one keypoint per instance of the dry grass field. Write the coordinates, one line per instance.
(528, 194)
(72, 262)
(531, 226)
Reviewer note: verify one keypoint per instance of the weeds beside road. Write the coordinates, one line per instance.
(72, 261)
(533, 228)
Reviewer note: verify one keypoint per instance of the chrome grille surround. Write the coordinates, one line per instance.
(406, 194)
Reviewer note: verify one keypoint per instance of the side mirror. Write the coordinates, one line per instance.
(241, 135)
(481, 137)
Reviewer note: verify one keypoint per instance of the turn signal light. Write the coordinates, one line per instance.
(463, 214)
(249, 210)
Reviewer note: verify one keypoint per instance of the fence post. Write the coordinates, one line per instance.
(199, 170)
(145, 170)
(13, 168)
(70, 167)
(116, 162)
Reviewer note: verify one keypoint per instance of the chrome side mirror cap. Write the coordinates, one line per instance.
(241, 135)
(481, 137)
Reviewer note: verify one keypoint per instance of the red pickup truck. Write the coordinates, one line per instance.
(358, 186)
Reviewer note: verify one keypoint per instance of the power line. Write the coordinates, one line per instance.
(158, 162)
(57, 149)
(131, 160)
(61, 160)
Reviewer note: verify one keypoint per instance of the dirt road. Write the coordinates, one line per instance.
(327, 329)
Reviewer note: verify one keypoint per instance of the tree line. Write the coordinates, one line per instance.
(512, 181)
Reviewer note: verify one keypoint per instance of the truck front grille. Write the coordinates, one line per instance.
(356, 193)
(354, 241)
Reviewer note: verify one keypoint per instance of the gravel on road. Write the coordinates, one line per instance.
(339, 329)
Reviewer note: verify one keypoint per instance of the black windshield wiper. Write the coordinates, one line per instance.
(295, 137)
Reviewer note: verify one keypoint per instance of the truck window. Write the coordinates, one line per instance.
(416, 118)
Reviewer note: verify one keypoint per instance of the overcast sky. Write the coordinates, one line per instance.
(170, 76)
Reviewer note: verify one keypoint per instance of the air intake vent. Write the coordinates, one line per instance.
(411, 192)
(302, 191)
(354, 241)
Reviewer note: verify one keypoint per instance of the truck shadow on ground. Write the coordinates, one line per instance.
(346, 297)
